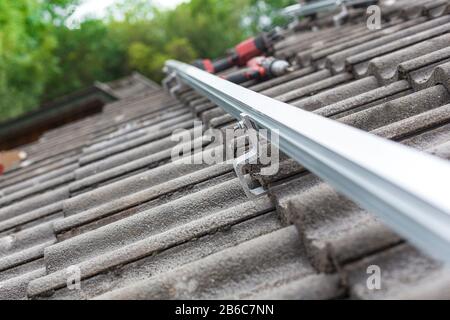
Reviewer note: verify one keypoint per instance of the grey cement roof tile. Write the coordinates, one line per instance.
(27, 174)
(199, 109)
(133, 251)
(288, 168)
(365, 100)
(211, 114)
(399, 109)
(430, 138)
(115, 215)
(313, 287)
(419, 71)
(303, 41)
(46, 176)
(404, 272)
(270, 260)
(130, 130)
(285, 191)
(343, 43)
(15, 288)
(144, 224)
(334, 230)
(410, 126)
(337, 61)
(151, 134)
(128, 186)
(18, 259)
(197, 101)
(385, 68)
(125, 157)
(338, 93)
(281, 80)
(34, 203)
(18, 222)
(323, 45)
(431, 8)
(441, 75)
(327, 37)
(442, 150)
(360, 63)
(126, 170)
(314, 88)
(173, 257)
(21, 240)
(37, 189)
(304, 80)
(437, 8)
(224, 120)
(34, 161)
(55, 155)
(21, 271)
(137, 199)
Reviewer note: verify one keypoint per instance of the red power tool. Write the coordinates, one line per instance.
(242, 53)
(260, 68)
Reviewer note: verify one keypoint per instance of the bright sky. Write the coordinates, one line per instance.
(98, 8)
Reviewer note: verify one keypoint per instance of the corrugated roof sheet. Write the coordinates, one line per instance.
(103, 194)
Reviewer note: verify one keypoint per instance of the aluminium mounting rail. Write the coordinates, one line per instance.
(408, 189)
(303, 10)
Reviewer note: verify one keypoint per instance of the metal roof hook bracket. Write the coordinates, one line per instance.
(251, 187)
(173, 84)
(341, 16)
(168, 79)
(178, 86)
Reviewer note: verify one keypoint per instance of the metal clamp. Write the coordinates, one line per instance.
(179, 85)
(173, 83)
(168, 79)
(339, 18)
(240, 164)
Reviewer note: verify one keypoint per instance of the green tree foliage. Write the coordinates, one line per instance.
(200, 28)
(84, 55)
(26, 51)
(211, 26)
(42, 58)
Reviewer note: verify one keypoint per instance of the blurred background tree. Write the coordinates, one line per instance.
(27, 56)
(42, 57)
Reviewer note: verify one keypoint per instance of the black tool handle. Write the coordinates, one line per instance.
(243, 76)
(223, 64)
